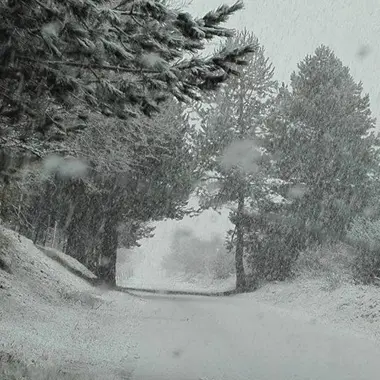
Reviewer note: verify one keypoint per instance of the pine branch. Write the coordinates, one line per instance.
(23, 105)
(221, 14)
(90, 66)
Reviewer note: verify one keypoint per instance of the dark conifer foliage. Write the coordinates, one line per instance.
(121, 58)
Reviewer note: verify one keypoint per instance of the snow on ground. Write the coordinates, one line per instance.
(67, 261)
(40, 276)
(223, 338)
(306, 328)
(356, 307)
(49, 315)
(180, 283)
(324, 298)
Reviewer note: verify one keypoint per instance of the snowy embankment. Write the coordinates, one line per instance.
(356, 307)
(54, 318)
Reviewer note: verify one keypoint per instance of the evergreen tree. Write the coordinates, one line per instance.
(323, 142)
(101, 68)
(230, 155)
(150, 179)
(61, 59)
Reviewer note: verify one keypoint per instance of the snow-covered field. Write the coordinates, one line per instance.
(294, 330)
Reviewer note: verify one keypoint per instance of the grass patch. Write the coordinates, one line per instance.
(12, 368)
(332, 262)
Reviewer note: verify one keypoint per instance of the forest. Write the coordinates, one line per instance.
(97, 137)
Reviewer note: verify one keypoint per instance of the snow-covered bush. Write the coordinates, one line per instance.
(364, 237)
(194, 257)
(272, 247)
(332, 262)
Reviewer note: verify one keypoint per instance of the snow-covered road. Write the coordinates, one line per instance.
(186, 338)
(49, 315)
(160, 337)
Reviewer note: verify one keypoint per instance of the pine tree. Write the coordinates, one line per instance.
(233, 124)
(61, 59)
(151, 179)
(323, 142)
(102, 68)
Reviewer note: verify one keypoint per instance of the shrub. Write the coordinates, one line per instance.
(332, 261)
(272, 248)
(364, 237)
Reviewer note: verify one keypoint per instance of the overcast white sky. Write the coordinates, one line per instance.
(291, 29)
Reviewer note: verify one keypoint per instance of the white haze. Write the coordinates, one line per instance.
(66, 167)
(243, 154)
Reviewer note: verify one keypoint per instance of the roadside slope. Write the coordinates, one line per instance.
(54, 318)
(354, 307)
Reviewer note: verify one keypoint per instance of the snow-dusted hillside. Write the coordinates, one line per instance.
(50, 316)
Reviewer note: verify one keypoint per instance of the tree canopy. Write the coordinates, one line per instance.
(324, 141)
(60, 60)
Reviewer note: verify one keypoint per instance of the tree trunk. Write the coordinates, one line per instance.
(46, 231)
(106, 271)
(37, 233)
(3, 200)
(76, 242)
(40, 213)
(239, 253)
